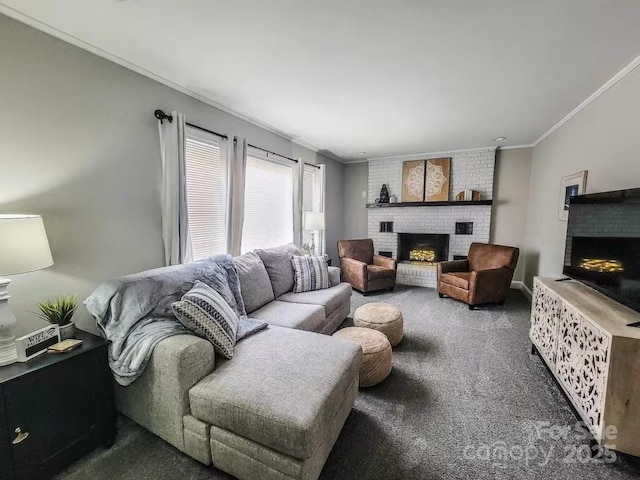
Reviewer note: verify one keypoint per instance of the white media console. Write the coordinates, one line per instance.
(584, 339)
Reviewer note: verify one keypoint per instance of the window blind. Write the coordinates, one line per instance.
(206, 196)
(268, 210)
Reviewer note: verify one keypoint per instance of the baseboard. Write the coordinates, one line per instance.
(520, 285)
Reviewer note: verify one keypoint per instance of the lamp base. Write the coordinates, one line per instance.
(7, 325)
(312, 247)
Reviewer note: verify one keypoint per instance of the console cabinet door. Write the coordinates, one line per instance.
(582, 363)
(593, 374)
(545, 314)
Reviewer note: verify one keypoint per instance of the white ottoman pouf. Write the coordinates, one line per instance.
(384, 317)
(376, 353)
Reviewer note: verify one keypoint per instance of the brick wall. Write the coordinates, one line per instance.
(430, 220)
(469, 170)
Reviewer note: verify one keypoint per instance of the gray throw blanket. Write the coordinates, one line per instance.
(134, 312)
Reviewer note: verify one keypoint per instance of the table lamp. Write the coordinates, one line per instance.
(313, 221)
(23, 248)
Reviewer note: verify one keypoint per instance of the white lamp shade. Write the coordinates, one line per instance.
(313, 221)
(24, 246)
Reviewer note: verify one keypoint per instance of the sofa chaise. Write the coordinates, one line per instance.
(275, 410)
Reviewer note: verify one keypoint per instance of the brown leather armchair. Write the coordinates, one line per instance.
(364, 270)
(485, 277)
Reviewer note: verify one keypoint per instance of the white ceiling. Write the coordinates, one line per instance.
(388, 77)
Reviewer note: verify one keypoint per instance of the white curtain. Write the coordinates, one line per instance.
(298, 190)
(237, 170)
(320, 186)
(175, 219)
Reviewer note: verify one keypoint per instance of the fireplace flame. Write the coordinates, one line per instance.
(422, 255)
(601, 265)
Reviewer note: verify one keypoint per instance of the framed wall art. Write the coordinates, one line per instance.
(437, 180)
(413, 181)
(570, 186)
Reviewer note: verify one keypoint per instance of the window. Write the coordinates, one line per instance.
(206, 196)
(268, 204)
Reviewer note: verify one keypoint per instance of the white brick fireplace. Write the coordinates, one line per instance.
(470, 170)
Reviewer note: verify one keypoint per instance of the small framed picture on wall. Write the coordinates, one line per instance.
(571, 186)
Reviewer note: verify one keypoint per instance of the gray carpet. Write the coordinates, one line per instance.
(463, 389)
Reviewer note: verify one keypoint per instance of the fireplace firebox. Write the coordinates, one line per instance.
(423, 248)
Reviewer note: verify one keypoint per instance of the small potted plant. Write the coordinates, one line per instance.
(60, 311)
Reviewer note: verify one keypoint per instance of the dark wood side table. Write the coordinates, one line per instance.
(54, 409)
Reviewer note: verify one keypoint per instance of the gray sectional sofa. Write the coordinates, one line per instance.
(275, 410)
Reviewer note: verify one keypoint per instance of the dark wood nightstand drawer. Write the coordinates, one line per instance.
(63, 408)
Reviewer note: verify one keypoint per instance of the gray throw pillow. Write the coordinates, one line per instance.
(255, 285)
(203, 311)
(277, 261)
(310, 273)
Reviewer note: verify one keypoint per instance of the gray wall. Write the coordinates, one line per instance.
(511, 198)
(356, 181)
(604, 139)
(79, 145)
(334, 206)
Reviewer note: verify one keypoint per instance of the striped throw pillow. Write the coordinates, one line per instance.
(310, 273)
(203, 311)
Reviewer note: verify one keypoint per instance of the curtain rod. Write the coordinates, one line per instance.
(160, 115)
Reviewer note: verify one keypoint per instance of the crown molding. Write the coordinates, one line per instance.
(516, 147)
(509, 147)
(443, 152)
(612, 81)
(357, 160)
(77, 42)
(308, 146)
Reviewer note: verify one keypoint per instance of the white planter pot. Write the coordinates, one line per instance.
(67, 331)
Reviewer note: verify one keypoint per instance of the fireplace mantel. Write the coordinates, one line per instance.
(461, 203)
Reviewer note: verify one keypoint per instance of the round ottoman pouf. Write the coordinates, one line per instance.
(376, 353)
(383, 317)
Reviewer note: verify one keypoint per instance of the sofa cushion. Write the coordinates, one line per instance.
(282, 389)
(254, 281)
(292, 315)
(375, 272)
(457, 279)
(334, 275)
(329, 298)
(277, 261)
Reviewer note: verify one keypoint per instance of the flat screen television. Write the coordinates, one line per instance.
(603, 244)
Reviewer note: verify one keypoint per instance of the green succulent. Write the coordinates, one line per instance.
(59, 310)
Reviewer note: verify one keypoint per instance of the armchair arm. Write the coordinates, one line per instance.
(354, 272)
(489, 285)
(160, 397)
(386, 262)
(454, 266)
